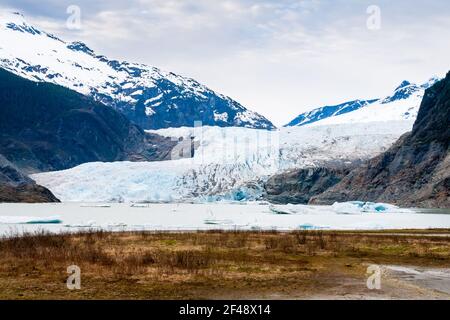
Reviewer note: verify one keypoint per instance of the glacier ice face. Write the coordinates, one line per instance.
(249, 191)
(228, 163)
(118, 182)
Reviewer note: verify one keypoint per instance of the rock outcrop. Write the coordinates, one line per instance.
(300, 185)
(17, 187)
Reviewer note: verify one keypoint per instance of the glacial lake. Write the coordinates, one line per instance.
(69, 217)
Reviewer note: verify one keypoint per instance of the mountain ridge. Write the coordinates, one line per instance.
(148, 96)
(328, 111)
(403, 103)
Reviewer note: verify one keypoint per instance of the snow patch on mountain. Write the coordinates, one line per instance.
(402, 104)
(327, 111)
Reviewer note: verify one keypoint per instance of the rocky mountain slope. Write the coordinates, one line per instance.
(413, 172)
(48, 127)
(402, 104)
(17, 187)
(148, 96)
(298, 186)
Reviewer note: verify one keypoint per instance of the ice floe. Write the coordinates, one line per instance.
(29, 220)
(359, 207)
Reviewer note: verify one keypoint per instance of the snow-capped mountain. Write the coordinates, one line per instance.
(402, 104)
(147, 95)
(328, 111)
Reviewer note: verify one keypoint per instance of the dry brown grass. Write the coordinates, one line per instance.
(203, 264)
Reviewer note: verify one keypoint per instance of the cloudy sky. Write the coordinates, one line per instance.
(275, 57)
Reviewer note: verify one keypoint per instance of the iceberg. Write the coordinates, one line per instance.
(29, 220)
(140, 205)
(218, 222)
(286, 209)
(96, 206)
(309, 226)
(89, 224)
(359, 207)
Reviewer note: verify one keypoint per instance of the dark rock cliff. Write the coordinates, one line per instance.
(46, 127)
(17, 187)
(299, 185)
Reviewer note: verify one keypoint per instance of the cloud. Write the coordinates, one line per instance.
(277, 57)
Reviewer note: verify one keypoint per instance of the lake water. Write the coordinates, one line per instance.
(66, 217)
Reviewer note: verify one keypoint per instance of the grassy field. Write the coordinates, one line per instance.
(215, 264)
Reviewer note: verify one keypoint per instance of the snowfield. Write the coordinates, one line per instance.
(73, 217)
(228, 163)
(404, 109)
(402, 104)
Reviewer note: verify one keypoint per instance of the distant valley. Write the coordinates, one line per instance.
(87, 128)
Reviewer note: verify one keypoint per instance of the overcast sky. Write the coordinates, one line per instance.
(278, 58)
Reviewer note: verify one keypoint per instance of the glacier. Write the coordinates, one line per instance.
(228, 163)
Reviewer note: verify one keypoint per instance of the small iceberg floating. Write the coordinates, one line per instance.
(117, 225)
(306, 226)
(89, 224)
(218, 221)
(29, 220)
(359, 207)
(212, 219)
(140, 205)
(309, 226)
(284, 210)
(96, 206)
